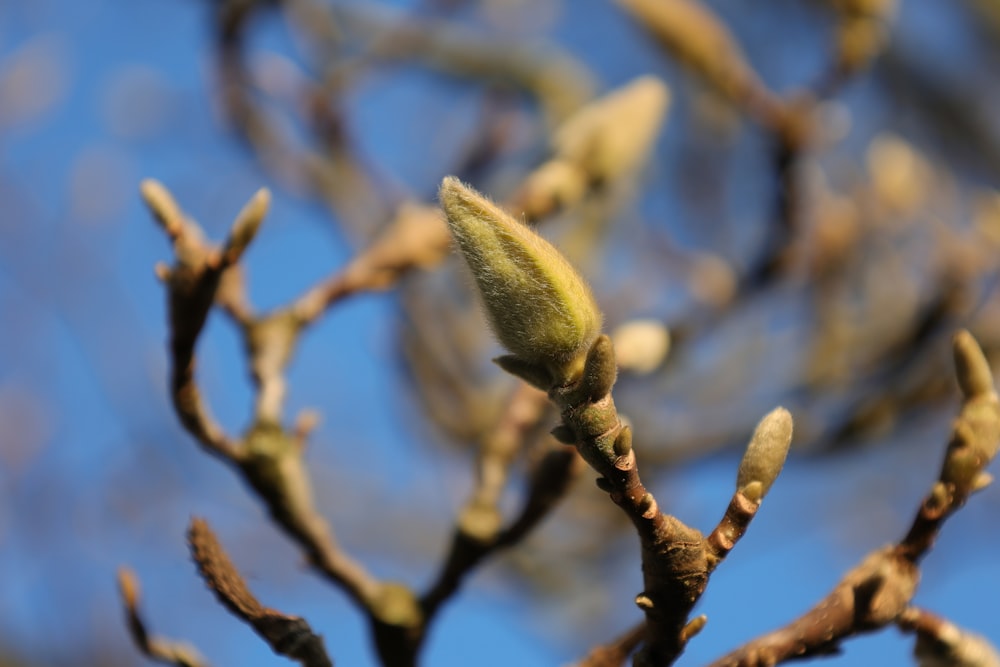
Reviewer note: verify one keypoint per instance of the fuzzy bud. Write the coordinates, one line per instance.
(971, 367)
(611, 136)
(539, 308)
(765, 455)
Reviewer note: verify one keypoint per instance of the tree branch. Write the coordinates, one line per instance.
(158, 649)
(290, 636)
(940, 643)
(878, 591)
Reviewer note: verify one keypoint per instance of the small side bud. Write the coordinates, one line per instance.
(643, 601)
(981, 481)
(647, 506)
(162, 271)
(533, 374)
(754, 491)
(694, 626)
(939, 498)
(480, 522)
(600, 369)
(765, 455)
(971, 367)
(564, 434)
(623, 443)
(162, 205)
(247, 223)
(128, 583)
(540, 309)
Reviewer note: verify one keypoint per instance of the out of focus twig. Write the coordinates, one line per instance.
(616, 652)
(941, 643)
(290, 636)
(161, 650)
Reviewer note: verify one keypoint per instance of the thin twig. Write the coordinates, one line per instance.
(290, 636)
(615, 653)
(192, 283)
(161, 650)
(269, 456)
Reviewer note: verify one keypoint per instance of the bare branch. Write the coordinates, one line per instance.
(415, 238)
(161, 650)
(878, 591)
(617, 652)
(269, 456)
(478, 530)
(287, 635)
(192, 283)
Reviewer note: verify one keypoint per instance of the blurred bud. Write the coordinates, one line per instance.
(901, 177)
(554, 185)
(128, 583)
(765, 455)
(713, 281)
(987, 216)
(247, 223)
(948, 646)
(971, 367)
(540, 309)
(694, 626)
(981, 481)
(696, 37)
(602, 141)
(480, 522)
(641, 345)
(163, 205)
(862, 32)
(612, 135)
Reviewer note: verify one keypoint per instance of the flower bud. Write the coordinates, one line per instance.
(971, 367)
(539, 308)
(765, 455)
(612, 135)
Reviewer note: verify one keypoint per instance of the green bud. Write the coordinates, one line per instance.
(765, 455)
(540, 309)
(974, 376)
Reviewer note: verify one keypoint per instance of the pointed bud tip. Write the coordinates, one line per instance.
(971, 366)
(258, 206)
(468, 212)
(128, 584)
(451, 183)
(247, 222)
(765, 455)
(149, 186)
(162, 205)
(454, 193)
(155, 194)
(778, 421)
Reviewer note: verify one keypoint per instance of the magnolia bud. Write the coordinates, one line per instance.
(612, 135)
(971, 367)
(540, 309)
(765, 455)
